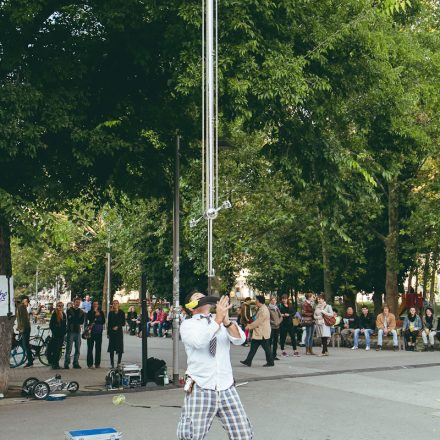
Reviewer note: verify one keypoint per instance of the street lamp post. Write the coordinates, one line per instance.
(176, 268)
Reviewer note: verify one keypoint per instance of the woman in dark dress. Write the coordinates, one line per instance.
(115, 324)
(58, 326)
(96, 321)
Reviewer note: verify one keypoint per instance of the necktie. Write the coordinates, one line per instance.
(213, 341)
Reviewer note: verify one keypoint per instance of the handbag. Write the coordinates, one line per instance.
(86, 333)
(307, 321)
(329, 320)
(295, 322)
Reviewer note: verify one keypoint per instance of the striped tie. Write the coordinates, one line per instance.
(213, 341)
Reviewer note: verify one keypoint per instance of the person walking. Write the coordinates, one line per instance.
(275, 321)
(260, 333)
(116, 322)
(75, 320)
(288, 312)
(308, 321)
(24, 328)
(210, 389)
(58, 328)
(323, 329)
(95, 322)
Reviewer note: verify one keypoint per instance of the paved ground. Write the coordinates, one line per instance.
(397, 403)
(339, 359)
(350, 394)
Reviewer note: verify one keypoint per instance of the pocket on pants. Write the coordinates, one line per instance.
(185, 429)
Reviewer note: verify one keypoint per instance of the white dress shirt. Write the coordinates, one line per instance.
(210, 372)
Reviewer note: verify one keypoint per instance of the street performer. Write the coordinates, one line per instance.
(209, 389)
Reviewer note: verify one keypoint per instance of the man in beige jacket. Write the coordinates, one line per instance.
(260, 334)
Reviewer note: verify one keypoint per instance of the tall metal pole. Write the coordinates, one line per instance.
(109, 260)
(36, 286)
(143, 291)
(176, 267)
(211, 212)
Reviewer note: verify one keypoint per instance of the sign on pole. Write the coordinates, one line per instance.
(6, 295)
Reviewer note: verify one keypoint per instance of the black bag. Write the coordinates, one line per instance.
(155, 368)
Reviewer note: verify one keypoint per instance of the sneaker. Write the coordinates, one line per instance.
(284, 354)
(302, 345)
(354, 347)
(379, 348)
(296, 354)
(276, 358)
(395, 348)
(367, 348)
(245, 363)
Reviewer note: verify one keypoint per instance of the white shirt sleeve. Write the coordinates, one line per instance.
(241, 339)
(192, 336)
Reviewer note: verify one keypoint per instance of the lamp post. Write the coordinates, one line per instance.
(176, 257)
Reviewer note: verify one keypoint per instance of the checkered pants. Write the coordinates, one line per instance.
(202, 405)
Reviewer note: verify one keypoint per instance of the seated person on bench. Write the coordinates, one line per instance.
(386, 324)
(366, 325)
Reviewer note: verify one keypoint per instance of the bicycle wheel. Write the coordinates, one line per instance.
(42, 354)
(17, 356)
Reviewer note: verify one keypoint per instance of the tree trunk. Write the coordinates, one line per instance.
(433, 275)
(377, 301)
(410, 278)
(6, 324)
(391, 249)
(349, 300)
(426, 274)
(328, 292)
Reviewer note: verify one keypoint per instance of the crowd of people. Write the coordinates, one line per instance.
(264, 325)
(268, 326)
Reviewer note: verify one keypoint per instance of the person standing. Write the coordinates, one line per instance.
(260, 333)
(288, 312)
(322, 329)
(95, 322)
(86, 305)
(75, 320)
(210, 390)
(24, 328)
(116, 322)
(275, 321)
(411, 327)
(58, 328)
(308, 321)
(386, 325)
(429, 331)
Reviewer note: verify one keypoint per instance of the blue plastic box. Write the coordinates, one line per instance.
(94, 434)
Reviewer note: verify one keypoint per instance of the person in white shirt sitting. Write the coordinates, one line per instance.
(210, 389)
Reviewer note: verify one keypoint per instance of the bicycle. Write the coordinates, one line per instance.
(38, 344)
